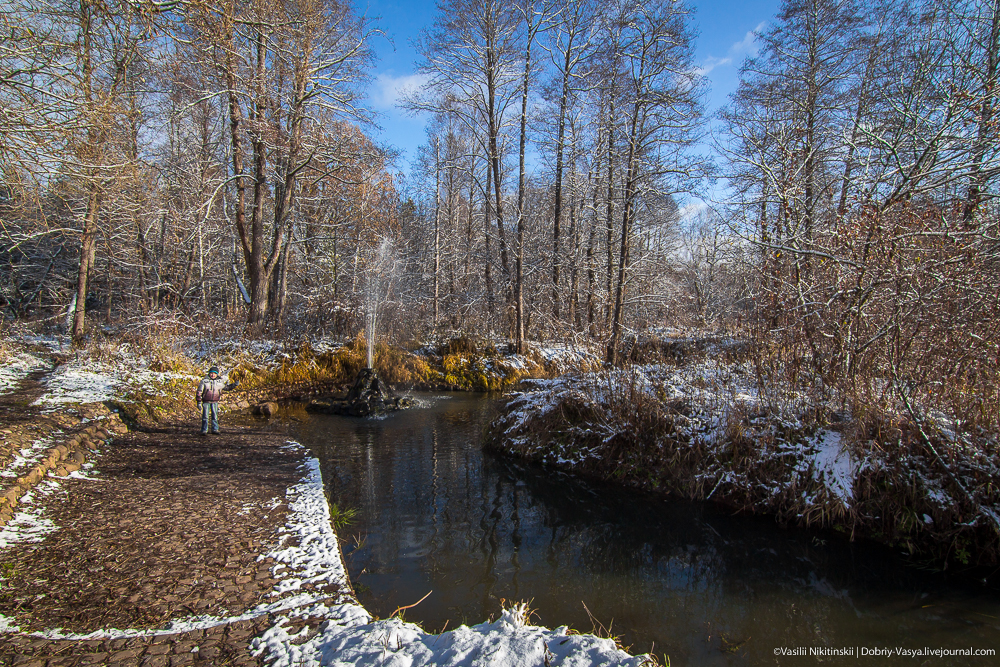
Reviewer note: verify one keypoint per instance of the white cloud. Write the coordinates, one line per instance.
(387, 89)
(711, 63)
(745, 47)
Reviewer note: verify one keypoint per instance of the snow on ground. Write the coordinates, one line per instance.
(78, 382)
(566, 355)
(27, 458)
(223, 351)
(834, 465)
(349, 635)
(349, 639)
(29, 523)
(87, 379)
(16, 367)
(203, 622)
(315, 557)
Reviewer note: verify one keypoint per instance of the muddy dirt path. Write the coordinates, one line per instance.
(165, 526)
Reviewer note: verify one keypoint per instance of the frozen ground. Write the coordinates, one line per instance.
(87, 378)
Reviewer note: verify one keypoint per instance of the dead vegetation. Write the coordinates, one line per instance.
(627, 426)
(166, 392)
(305, 364)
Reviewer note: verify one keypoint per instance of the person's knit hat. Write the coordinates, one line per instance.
(213, 369)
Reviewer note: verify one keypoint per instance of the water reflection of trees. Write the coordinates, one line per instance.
(477, 529)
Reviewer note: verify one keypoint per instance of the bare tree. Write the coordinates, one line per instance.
(662, 92)
(279, 64)
(572, 46)
(470, 58)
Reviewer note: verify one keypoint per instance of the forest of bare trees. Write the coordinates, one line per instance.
(201, 159)
(212, 160)
(605, 101)
(862, 148)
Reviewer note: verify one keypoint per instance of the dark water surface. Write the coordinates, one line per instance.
(684, 579)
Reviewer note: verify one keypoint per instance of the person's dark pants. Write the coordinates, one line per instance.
(209, 411)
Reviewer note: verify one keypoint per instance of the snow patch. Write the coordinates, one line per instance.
(315, 559)
(89, 380)
(834, 465)
(347, 639)
(73, 383)
(17, 367)
(204, 622)
(27, 457)
(29, 524)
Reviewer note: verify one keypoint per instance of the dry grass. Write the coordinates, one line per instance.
(616, 428)
(305, 365)
(162, 352)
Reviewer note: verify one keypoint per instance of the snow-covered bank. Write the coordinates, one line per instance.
(346, 638)
(341, 632)
(111, 375)
(704, 431)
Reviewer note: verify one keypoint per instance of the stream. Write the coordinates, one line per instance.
(434, 513)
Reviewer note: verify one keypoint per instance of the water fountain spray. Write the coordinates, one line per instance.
(379, 272)
(369, 395)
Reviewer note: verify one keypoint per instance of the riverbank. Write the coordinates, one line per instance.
(701, 429)
(165, 547)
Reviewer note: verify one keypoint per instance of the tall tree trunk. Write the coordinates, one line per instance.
(521, 182)
(574, 277)
(236, 138)
(557, 205)
(275, 266)
(451, 221)
(610, 209)
(437, 223)
(87, 243)
(278, 298)
(591, 278)
(259, 283)
(468, 227)
(488, 259)
(492, 65)
(630, 193)
(93, 199)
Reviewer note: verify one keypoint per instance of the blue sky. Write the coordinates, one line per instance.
(724, 39)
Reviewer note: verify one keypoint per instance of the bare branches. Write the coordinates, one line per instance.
(864, 176)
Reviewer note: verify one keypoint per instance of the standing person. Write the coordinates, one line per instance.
(208, 396)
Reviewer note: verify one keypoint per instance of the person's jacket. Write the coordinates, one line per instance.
(209, 390)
